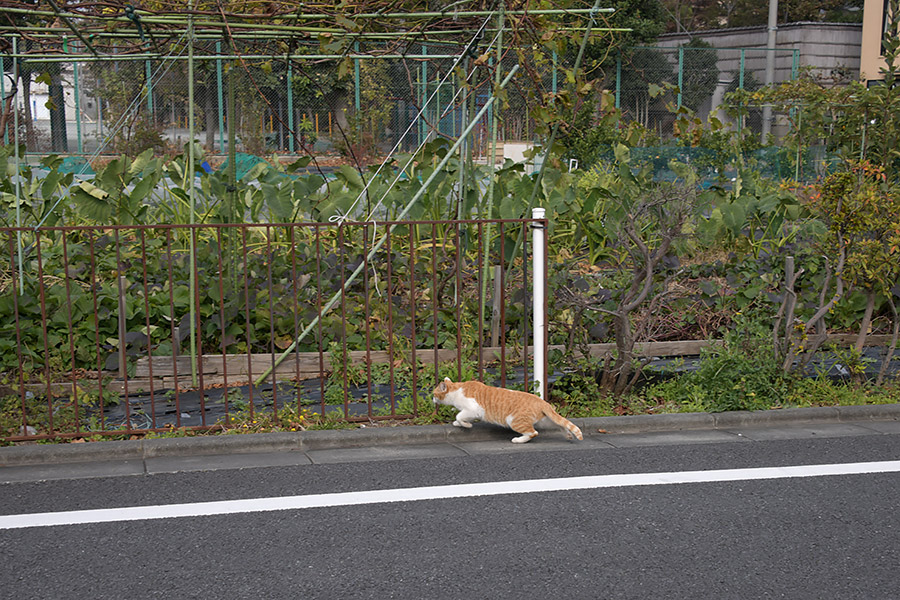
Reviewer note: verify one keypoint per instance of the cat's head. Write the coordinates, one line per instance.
(441, 390)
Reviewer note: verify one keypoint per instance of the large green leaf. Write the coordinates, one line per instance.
(257, 170)
(734, 216)
(111, 178)
(92, 201)
(140, 162)
(142, 189)
(350, 177)
(280, 201)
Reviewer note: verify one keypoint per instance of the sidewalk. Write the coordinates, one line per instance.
(37, 462)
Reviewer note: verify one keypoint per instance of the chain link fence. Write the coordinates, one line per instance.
(651, 80)
(364, 104)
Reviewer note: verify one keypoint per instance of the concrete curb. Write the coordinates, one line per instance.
(37, 454)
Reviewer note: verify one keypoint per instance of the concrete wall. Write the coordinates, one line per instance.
(831, 50)
(826, 47)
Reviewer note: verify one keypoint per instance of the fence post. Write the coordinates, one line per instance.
(356, 98)
(77, 99)
(553, 82)
(618, 79)
(538, 251)
(221, 106)
(290, 101)
(423, 77)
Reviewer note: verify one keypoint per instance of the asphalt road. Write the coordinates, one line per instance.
(834, 536)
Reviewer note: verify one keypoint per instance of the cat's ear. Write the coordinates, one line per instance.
(443, 387)
(448, 380)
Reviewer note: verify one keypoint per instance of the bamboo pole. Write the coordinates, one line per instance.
(156, 56)
(215, 34)
(15, 109)
(377, 246)
(191, 194)
(149, 17)
(492, 161)
(552, 140)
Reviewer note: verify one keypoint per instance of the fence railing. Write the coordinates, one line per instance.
(130, 329)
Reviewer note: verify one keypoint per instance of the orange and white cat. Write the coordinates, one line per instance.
(519, 411)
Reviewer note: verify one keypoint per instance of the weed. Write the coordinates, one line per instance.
(288, 418)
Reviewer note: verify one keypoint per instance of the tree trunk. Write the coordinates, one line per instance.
(617, 378)
(866, 320)
(30, 138)
(58, 136)
(340, 111)
(212, 119)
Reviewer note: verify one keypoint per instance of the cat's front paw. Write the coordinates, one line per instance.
(459, 423)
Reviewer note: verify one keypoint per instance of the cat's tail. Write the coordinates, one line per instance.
(569, 426)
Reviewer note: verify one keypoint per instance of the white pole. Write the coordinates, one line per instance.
(540, 277)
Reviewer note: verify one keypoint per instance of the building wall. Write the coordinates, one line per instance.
(871, 59)
(830, 49)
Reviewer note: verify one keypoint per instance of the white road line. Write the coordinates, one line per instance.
(469, 490)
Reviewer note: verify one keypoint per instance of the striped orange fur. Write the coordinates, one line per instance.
(519, 411)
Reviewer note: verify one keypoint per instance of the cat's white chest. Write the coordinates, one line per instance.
(465, 404)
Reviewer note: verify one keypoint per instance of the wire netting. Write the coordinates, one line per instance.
(362, 103)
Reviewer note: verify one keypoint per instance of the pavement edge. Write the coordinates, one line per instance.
(39, 454)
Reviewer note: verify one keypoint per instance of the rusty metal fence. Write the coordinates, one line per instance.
(131, 329)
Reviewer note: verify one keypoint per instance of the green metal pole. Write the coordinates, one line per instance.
(377, 246)
(77, 109)
(356, 79)
(618, 79)
(463, 147)
(149, 72)
(741, 86)
(680, 73)
(553, 80)
(422, 121)
(221, 107)
(99, 102)
(231, 173)
(453, 86)
(190, 171)
(290, 102)
(77, 98)
(3, 94)
(437, 99)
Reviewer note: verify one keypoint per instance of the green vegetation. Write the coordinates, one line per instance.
(695, 239)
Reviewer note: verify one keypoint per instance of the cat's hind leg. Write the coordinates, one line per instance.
(525, 427)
